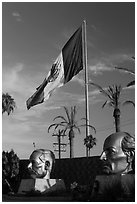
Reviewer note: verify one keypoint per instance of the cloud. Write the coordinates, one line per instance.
(19, 85)
(107, 62)
(16, 83)
(10, 77)
(17, 16)
(129, 88)
(99, 68)
(21, 134)
(78, 79)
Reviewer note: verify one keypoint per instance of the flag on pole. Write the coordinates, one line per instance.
(68, 64)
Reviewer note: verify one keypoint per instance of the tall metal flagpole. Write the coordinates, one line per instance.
(84, 47)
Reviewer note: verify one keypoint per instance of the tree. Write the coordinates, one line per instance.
(70, 124)
(10, 171)
(8, 103)
(113, 94)
(90, 141)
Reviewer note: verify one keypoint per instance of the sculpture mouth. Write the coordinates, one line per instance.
(35, 174)
(106, 168)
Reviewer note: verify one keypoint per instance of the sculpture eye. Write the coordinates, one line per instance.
(112, 151)
(35, 163)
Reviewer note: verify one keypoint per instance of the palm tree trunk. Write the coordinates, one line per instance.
(71, 147)
(116, 116)
(89, 152)
(59, 146)
(117, 123)
(71, 140)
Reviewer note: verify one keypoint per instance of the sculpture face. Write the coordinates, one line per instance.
(114, 159)
(41, 162)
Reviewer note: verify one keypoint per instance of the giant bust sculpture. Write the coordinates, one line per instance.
(118, 153)
(41, 163)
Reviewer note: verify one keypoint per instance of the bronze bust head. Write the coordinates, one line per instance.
(118, 153)
(41, 163)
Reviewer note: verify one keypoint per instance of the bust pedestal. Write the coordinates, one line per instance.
(114, 188)
(41, 185)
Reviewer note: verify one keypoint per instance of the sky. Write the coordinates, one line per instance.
(33, 34)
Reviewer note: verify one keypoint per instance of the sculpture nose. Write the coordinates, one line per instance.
(103, 156)
(30, 166)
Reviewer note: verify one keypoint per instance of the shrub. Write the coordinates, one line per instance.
(10, 171)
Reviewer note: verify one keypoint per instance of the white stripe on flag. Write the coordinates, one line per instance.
(57, 80)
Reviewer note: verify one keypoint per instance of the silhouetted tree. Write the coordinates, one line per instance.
(113, 94)
(8, 103)
(90, 142)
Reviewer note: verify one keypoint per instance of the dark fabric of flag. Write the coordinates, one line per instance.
(72, 56)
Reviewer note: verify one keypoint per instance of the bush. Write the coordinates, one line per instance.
(10, 171)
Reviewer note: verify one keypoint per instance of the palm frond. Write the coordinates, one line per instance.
(129, 102)
(132, 83)
(126, 70)
(76, 127)
(75, 111)
(72, 115)
(60, 117)
(64, 122)
(67, 113)
(83, 119)
(111, 103)
(104, 104)
(111, 90)
(66, 128)
(101, 90)
(55, 124)
(92, 127)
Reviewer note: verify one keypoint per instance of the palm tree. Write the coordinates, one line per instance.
(113, 94)
(90, 141)
(8, 103)
(69, 124)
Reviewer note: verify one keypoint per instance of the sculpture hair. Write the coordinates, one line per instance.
(128, 147)
(128, 143)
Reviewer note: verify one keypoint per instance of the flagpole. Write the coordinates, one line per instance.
(84, 51)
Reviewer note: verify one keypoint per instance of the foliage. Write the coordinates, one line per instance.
(10, 169)
(90, 141)
(113, 94)
(8, 103)
(70, 124)
(79, 192)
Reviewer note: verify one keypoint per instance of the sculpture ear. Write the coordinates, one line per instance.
(130, 155)
(47, 165)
